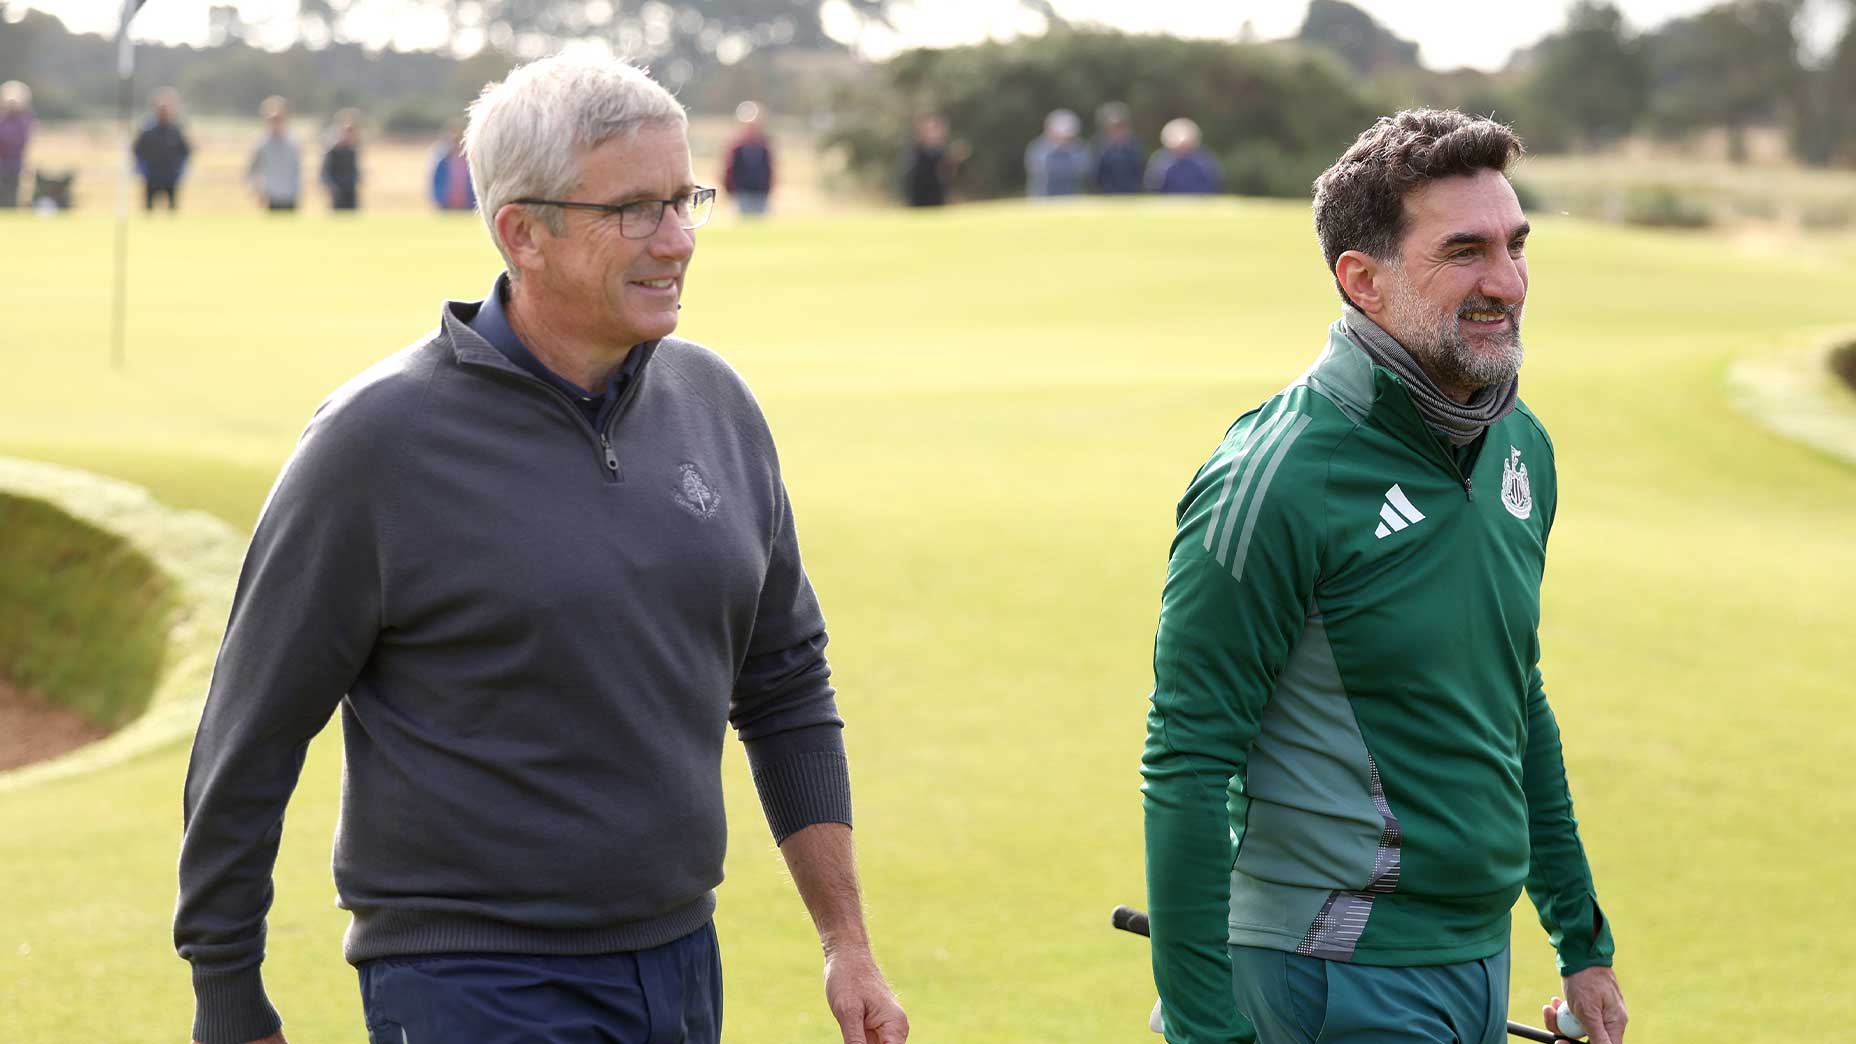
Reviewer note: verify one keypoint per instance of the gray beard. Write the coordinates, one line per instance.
(1460, 422)
(1437, 342)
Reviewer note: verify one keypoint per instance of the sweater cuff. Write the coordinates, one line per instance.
(231, 1008)
(1587, 949)
(803, 778)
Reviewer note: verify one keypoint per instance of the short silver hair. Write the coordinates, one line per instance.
(526, 134)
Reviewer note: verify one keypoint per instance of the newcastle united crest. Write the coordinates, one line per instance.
(1516, 496)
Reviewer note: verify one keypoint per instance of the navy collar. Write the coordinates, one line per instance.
(492, 324)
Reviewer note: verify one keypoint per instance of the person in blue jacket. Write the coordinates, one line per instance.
(451, 187)
(1183, 166)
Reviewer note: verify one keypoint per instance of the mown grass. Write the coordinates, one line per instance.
(985, 417)
(84, 612)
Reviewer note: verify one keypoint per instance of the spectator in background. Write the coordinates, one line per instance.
(341, 164)
(748, 178)
(930, 164)
(15, 132)
(276, 169)
(451, 188)
(1119, 159)
(161, 150)
(1056, 163)
(1181, 166)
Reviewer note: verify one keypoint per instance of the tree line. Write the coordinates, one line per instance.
(1276, 113)
(1271, 110)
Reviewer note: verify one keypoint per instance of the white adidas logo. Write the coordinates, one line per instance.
(1398, 513)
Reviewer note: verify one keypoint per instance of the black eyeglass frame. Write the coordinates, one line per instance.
(699, 196)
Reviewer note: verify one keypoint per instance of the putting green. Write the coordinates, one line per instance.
(986, 416)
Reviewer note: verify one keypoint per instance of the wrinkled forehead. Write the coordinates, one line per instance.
(1482, 204)
(652, 158)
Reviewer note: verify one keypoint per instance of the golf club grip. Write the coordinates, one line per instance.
(1128, 919)
(1526, 1032)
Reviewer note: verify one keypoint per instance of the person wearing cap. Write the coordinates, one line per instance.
(1182, 166)
(539, 562)
(15, 132)
(1056, 162)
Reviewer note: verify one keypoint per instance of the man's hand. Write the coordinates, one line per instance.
(861, 1001)
(825, 872)
(1594, 996)
(275, 1038)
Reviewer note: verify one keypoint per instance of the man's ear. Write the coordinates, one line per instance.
(1360, 276)
(523, 235)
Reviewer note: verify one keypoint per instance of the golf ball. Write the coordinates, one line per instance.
(1569, 1023)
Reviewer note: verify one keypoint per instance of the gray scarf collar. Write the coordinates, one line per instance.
(1460, 422)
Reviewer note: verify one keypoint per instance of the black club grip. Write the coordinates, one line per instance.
(1128, 919)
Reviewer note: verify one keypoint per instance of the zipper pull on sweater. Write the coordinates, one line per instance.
(612, 459)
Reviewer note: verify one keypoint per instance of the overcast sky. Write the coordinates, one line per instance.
(1450, 33)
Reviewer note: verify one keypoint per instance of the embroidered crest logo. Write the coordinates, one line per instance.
(1516, 496)
(694, 493)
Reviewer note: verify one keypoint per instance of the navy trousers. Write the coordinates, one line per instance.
(671, 994)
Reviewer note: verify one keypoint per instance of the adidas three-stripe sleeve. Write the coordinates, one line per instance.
(1240, 579)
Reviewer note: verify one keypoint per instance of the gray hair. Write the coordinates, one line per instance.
(526, 134)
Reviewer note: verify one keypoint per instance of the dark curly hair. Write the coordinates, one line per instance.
(1360, 200)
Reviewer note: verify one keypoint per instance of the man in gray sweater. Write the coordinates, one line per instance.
(539, 561)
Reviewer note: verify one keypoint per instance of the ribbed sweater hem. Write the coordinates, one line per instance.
(397, 932)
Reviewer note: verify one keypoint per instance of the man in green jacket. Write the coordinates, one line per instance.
(1351, 769)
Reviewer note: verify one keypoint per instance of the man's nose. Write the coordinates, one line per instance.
(671, 241)
(1506, 280)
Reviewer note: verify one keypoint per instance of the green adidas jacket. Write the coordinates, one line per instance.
(1349, 752)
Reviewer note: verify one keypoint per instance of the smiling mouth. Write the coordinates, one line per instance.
(1483, 316)
(656, 284)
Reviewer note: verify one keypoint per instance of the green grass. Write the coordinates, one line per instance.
(985, 418)
(87, 609)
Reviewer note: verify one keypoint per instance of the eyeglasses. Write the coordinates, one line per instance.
(640, 219)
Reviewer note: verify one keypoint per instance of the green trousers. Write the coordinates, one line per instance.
(1292, 999)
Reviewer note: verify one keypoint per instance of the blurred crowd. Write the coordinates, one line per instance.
(161, 151)
(1058, 162)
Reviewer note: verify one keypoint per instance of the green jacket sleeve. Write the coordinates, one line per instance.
(1239, 583)
(1559, 881)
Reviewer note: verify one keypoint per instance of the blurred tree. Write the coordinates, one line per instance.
(224, 25)
(20, 33)
(1593, 75)
(677, 38)
(1275, 116)
(1825, 131)
(1366, 46)
(1733, 66)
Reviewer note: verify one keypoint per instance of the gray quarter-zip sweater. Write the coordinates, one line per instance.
(537, 634)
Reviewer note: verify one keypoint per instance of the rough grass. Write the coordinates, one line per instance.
(84, 613)
(986, 416)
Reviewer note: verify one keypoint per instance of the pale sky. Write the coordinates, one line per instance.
(1450, 33)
